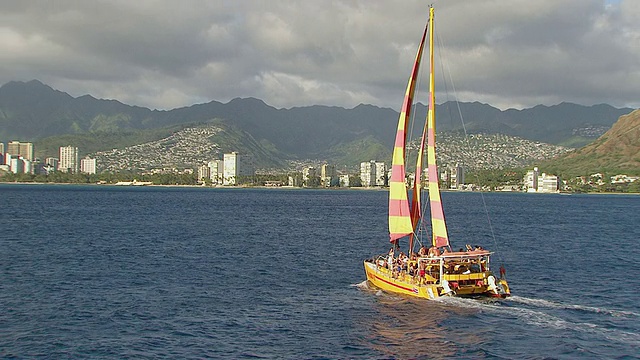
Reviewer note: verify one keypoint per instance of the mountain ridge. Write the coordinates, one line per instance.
(617, 150)
(34, 111)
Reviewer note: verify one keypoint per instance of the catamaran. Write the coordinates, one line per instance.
(435, 270)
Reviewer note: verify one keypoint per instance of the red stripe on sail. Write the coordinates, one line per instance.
(400, 136)
(441, 241)
(437, 212)
(396, 208)
(432, 137)
(433, 173)
(397, 175)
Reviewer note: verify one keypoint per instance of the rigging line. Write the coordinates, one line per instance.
(466, 137)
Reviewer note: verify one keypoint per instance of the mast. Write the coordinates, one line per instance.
(416, 200)
(400, 223)
(438, 226)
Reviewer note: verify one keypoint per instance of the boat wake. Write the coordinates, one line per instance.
(364, 285)
(557, 305)
(549, 314)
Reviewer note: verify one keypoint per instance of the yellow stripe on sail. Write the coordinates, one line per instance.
(400, 225)
(399, 212)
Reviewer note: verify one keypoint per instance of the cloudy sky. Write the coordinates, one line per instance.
(165, 54)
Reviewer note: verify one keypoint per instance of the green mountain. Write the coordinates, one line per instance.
(33, 111)
(615, 152)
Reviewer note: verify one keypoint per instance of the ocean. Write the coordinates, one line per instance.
(166, 272)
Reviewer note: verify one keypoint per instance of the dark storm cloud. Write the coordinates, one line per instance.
(165, 54)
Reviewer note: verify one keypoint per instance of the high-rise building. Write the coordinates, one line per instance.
(367, 173)
(308, 172)
(13, 148)
(204, 172)
(17, 148)
(26, 150)
(381, 174)
(52, 162)
(236, 165)
(327, 174)
(457, 176)
(344, 180)
(536, 182)
(216, 171)
(88, 165)
(17, 165)
(68, 159)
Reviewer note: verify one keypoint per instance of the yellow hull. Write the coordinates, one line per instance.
(382, 278)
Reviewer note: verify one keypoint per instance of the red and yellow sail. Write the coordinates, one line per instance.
(400, 223)
(405, 217)
(438, 225)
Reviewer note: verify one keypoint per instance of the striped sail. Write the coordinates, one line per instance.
(416, 203)
(438, 225)
(400, 223)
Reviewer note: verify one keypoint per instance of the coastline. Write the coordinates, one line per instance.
(290, 188)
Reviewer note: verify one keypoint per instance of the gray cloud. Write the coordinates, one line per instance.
(166, 54)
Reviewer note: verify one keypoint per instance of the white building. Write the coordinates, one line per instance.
(216, 171)
(381, 174)
(327, 174)
(236, 165)
(373, 173)
(68, 159)
(295, 180)
(367, 173)
(457, 176)
(344, 180)
(542, 183)
(204, 172)
(24, 149)
(88, 165)
(308, 172)
(52, 162)
(16, 165)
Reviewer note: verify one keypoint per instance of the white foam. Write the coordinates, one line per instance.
(557, 305)
(364, 285)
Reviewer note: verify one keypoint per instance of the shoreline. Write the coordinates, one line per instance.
(294, 188)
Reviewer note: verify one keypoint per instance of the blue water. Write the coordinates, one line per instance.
(148, 272)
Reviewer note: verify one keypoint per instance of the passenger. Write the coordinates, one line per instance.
(412, 270)
(421, 272)
(469, 248)
(422, 251)
(433, 251)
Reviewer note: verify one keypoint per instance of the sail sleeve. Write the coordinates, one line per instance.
(400, 224)
(438, 225)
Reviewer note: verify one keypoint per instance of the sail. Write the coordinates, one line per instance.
(438, 225)
(400, 223)
(416, 203)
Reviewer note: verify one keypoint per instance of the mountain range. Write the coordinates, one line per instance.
(615, 152)
(33, 111)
